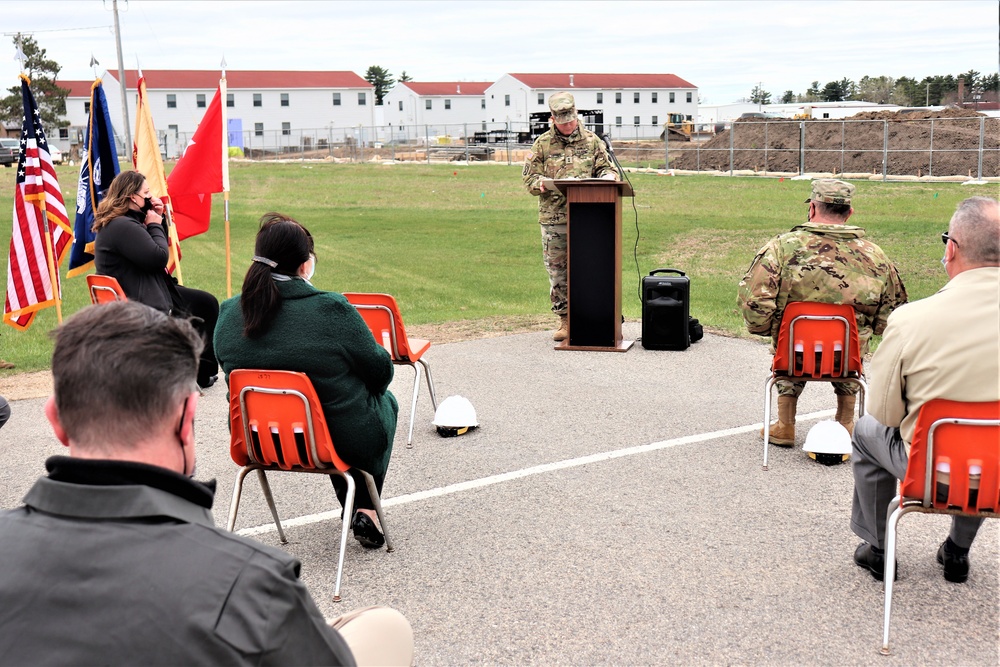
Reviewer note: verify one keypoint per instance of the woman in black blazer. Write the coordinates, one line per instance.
(131, 245)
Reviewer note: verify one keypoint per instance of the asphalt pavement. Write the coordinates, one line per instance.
(610, 510)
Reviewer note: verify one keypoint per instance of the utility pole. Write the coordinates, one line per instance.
(927, 102)
(121, 80)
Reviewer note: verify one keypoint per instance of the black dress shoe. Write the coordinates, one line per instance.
(874, 561)
(956, 568)
(205, 384)
(365, 531)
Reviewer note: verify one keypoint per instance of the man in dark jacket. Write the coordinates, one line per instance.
(114, 558)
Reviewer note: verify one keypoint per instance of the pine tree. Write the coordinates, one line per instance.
(50, 98)
(382, 79)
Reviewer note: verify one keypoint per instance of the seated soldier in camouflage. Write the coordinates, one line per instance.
(566, 150)
(822, 260)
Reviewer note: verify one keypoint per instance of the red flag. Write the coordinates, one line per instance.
(198, 174)
(38, 206)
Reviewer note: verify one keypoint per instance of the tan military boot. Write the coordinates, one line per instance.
(845, 411)
(782, 432)
(562, 333)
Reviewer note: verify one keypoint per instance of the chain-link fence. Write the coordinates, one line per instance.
(968, 146)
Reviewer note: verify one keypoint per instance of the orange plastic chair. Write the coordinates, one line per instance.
(104, 289)
(277, 424)
(381, 314)
(954, 468)
(817, 342)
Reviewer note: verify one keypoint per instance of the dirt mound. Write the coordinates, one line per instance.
(855, 145)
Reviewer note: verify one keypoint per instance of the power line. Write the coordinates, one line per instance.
(32, 32)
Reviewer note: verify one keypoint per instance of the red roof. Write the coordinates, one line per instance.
(76, 88)
(176, 79)
(602, 81)
(448, 87)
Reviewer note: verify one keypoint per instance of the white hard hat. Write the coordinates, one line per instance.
(455, 416)
(828, 442)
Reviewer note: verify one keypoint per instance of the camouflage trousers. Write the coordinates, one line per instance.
(554, 254)
(787, 388)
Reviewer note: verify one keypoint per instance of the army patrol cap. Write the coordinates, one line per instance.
(563, 108)
(831, 191)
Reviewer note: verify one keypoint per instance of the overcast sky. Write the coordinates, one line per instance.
(723, 48)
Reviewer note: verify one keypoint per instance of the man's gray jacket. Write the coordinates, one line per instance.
(120, 563)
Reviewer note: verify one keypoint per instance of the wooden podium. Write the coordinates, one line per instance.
(594, 264)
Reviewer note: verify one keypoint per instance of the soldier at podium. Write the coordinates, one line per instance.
(567, 150)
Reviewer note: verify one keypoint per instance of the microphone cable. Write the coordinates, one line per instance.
(635, 210)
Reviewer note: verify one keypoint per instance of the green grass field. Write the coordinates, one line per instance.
(462, 242)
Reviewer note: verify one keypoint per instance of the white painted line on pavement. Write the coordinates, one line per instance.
(527, 472)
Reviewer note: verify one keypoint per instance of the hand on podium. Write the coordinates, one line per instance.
(609, 177)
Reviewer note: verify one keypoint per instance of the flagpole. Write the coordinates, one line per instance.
(225, 177)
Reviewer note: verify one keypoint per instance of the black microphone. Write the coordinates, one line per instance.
(607, 142)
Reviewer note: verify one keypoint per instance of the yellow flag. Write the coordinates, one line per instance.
(147, 160)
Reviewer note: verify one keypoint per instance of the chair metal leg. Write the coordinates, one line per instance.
(234, 505)
(767, 414)
(266, 488)
(348, 517)
(413, 403)
(864, 393)
(430, 383)
(373, 492)
(894, 513)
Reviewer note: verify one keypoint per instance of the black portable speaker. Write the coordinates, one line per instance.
(666, 310)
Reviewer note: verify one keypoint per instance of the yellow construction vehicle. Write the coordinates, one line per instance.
(677, 128)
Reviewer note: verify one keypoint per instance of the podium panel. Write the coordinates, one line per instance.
(591, 277)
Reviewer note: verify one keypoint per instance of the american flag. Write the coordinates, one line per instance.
(37, 200)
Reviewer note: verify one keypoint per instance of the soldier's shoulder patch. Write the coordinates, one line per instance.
(531, 156)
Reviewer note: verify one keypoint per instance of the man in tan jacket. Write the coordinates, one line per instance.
(945, 346)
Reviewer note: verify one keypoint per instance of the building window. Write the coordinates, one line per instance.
(336, 99)
(635, 97)
(447, 104)
(635, 120)
(199, 100)
(64, 133)
(655, 120)
(86, 107)
(541, 98)
(401, 105)
(172, 129)
(618, 121)
(286, 128)
(618, 98)
(258, 129)
(671, 97)
(654, 98)
(506, 100)
(428, 104)
(482, 103)
(600, 98)
(257, 102)
(689, 97)
(362, 100)
(171, 101)
(284, 99)
(230, 100)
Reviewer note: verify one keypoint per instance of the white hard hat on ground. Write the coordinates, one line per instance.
(828, 442)
(455, 416)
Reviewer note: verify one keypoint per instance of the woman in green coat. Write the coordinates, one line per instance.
(281, 322)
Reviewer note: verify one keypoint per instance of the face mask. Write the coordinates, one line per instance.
(147, 205)
(312, 269)
(944, 261)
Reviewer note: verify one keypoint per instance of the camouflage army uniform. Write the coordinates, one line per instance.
(581, 154)
(826, 263)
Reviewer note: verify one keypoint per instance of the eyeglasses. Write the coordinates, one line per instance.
(945, 238)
